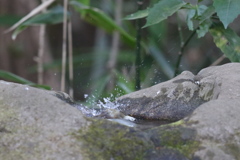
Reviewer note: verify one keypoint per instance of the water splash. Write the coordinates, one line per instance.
(104, 109)
(97, 108)
(88, 111)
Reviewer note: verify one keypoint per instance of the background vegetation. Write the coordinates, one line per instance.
(106, 56)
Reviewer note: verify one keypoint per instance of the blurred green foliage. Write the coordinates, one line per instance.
(201, 18)
(161, 41)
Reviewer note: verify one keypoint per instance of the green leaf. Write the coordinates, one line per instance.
(33, 12)
(201, 16)
(100, 19)
(122, 83)
(52, 16)
(227, 10)
(14, 78)
(137, 15)
(207, 14)
(8, 20)
(86, 3)
(195, 15)
(201, 9)
(203, 28)
(17, 31)
(40, 86)
(162, 10)
(191, 14)
(228, 41)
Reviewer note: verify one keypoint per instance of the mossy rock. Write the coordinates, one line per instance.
(105, 139)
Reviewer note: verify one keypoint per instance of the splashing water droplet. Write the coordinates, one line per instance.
(85, 95)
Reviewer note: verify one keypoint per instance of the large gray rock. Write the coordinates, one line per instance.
(34, 124)
(171, 100)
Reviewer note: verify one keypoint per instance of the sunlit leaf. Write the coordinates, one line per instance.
(228, 41)
(137, 15)
(227, 10)
(162, 10)
(125, 87)
(100, 19)
(84, 2)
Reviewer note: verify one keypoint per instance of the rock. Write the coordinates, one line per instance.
(171, 100)
(35, 124)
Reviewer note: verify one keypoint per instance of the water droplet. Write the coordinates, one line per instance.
(85, 95)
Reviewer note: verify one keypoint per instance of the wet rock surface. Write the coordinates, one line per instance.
(35, 124)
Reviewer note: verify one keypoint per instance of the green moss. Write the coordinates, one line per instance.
(177, 138)
(10, 134)
(105, 140)
(7, 116)
(177, 123)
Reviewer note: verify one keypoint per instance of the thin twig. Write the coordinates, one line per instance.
(70, 58)
(64, 46)
(41, 48)
(115, 44)
(218, 61)
(40, 53)
(181, 52)
(138, 50)
(180, 32)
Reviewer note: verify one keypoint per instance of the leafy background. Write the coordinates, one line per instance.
(176, 35)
